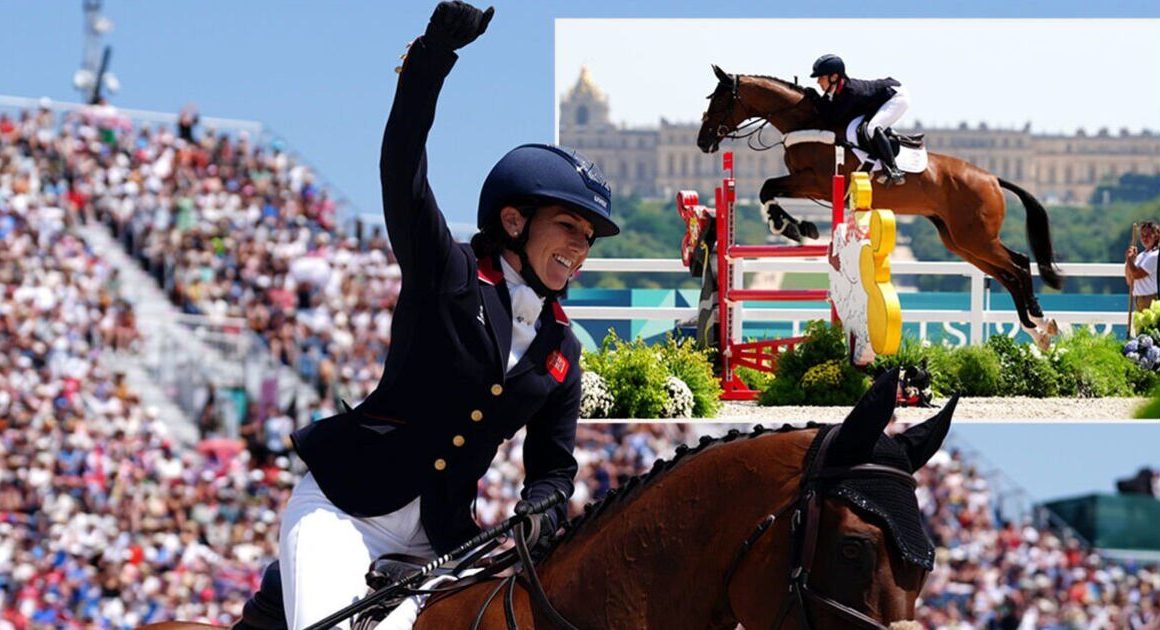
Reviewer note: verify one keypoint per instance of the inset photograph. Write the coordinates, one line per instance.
(937, 205)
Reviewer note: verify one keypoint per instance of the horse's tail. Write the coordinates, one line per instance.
(1038, 235)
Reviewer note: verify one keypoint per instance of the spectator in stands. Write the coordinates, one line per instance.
(186, 121)
(1140, 266)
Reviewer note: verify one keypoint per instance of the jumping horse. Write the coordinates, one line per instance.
(964, 202)
(814, 527)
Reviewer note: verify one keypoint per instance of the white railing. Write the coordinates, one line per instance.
(976, 317)
(141, 115)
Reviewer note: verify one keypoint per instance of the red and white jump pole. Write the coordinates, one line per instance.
(758, 355)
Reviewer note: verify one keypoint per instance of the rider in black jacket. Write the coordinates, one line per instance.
(882, 102)
(480, 349)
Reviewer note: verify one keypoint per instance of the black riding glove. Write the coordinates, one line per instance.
(456, 24)
(535, 526)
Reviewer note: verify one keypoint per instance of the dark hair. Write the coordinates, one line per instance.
(492, 240)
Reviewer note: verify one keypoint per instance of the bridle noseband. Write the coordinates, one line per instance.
(804, 526)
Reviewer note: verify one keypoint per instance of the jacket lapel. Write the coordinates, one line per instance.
(548, 338)
(497, 306)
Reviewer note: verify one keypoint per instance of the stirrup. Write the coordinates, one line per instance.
(891, 178)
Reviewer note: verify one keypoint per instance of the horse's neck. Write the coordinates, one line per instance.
(784, 107)
(677, 536)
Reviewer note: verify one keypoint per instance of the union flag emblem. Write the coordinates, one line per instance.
(557, 365)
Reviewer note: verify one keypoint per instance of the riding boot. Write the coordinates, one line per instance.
(886, 155)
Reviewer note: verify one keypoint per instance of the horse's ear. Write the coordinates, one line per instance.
(922, 441)
(721, 74)
(861, 429)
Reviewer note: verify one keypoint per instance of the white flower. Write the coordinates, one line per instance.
(679, 403)
(595, 398)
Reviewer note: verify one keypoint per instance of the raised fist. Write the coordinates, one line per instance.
(456, 24)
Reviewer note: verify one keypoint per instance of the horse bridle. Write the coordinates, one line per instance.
(758, 121)
(804, 525)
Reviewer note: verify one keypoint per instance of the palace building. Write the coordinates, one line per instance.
(654, 162)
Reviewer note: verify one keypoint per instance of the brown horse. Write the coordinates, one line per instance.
(964, 202)
(727, 532)
(789, 528)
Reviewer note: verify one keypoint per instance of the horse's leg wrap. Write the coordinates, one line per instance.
(782, 224)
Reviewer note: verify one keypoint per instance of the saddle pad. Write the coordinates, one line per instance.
(909, 159)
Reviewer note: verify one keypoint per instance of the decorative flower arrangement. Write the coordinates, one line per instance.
(595, 397)
(680, 399)
(1144, 351)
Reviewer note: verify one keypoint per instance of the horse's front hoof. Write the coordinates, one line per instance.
(809, 229)
(792, 233)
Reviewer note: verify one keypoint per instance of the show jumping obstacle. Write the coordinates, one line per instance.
(758, 355)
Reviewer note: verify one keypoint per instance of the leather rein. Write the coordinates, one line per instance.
(805, 522)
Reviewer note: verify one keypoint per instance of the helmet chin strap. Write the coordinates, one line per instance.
(533, 280)
(518, 245)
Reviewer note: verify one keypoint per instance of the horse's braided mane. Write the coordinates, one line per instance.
(629, 486)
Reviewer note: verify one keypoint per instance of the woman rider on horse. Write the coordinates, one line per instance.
(882, 101)
(480, 349)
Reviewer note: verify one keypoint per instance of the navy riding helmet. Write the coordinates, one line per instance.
(827, 65)
(549, 173)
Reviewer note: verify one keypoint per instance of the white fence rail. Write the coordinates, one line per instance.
(976, 317)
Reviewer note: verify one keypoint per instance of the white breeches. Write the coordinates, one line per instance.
(890, 111)
(325, 553)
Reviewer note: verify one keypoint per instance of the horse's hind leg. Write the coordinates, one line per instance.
(1034, 311)
(1007, 275)
(1017, 279)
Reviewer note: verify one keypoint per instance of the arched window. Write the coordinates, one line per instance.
(582, 115)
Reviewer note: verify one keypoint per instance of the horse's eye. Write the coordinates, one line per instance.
(851, 550)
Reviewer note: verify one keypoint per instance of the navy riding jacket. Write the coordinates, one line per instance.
(856, 98)
(446, 402)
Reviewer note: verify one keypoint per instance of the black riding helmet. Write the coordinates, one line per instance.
(531, 175)
(827, 65)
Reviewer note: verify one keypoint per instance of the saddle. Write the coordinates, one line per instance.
(897, 141)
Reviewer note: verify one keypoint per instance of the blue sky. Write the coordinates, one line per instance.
(1052, 461)
(321, 75)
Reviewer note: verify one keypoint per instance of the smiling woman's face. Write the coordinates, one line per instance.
(558, 242)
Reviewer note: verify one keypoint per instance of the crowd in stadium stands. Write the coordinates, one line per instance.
(104, 521)
(230, 229)
(991, 573)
